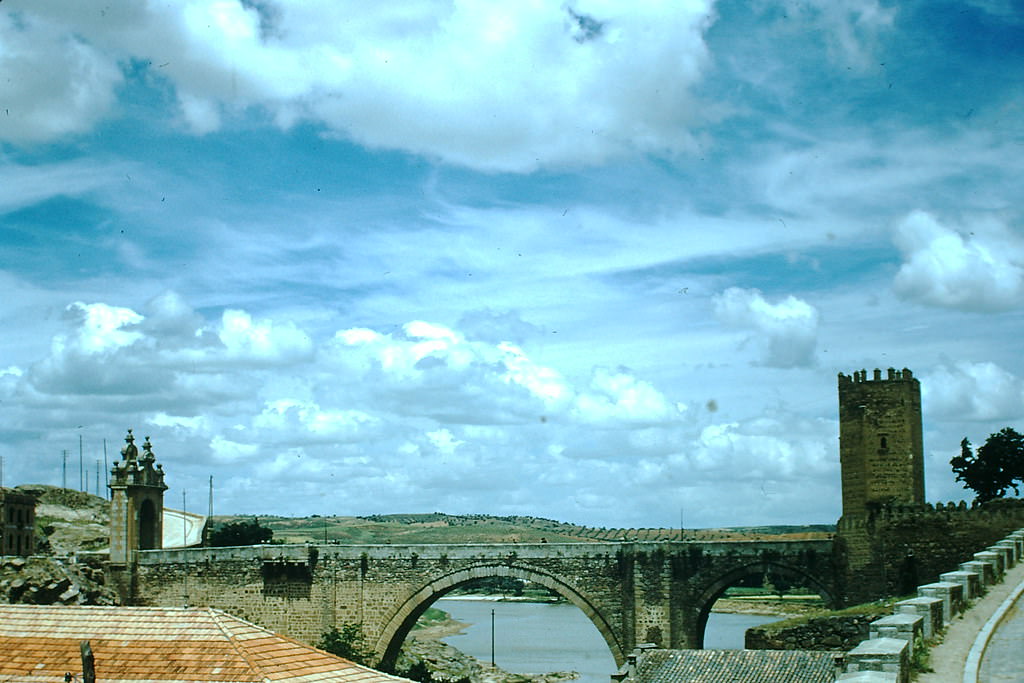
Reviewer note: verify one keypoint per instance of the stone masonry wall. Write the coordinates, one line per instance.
(890, 552)
(823, 633)
(633, 592)
(881, 451)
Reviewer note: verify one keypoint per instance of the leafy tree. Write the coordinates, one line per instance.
(349, 642)
(997, 466)
(241, 533)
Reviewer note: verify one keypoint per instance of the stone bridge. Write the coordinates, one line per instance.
(658, 592)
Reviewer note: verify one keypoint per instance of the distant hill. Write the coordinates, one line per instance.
(438, 527)
(69, 521)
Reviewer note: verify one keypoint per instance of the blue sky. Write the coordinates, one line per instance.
(593, 261)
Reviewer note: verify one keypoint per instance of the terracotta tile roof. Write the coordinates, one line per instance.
(41, 643)
(735, 666)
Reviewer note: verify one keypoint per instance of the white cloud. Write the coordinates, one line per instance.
(228, 451)
(55, 82)
(973, 391)
(288, 419)
(262, 340)
(786, 332)
(196, 423)
(100, 328)
(497, 86)
(616, 396)
(851, 27)
(981, 269)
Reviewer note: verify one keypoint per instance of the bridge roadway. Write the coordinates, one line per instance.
(633, 592)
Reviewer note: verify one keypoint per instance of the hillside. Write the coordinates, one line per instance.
(437, 527)
(68, 521)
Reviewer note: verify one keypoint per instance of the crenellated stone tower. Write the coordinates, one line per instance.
(881, 450)
(137, 502)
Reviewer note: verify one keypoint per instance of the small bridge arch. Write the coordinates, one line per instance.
(713, 591)
(403, 618)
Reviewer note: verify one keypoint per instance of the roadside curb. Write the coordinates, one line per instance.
(972, 665)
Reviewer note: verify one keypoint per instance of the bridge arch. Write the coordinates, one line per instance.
(400, 622)
(713, 591)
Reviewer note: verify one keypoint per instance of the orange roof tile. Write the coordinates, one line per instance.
(41, 642)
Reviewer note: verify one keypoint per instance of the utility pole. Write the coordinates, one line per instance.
(81, 466)
(106, 471)
(184, 543)
(64, 470)
(97, 477)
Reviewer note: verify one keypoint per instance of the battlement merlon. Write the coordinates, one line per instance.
(892, 375)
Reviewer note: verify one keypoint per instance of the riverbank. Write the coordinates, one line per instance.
(771, 607)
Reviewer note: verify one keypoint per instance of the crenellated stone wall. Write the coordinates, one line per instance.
(890, 551)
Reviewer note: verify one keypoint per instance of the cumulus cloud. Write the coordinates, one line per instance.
(496, 86)
(261, 340)
(435, 418)
(762, 449)
(980, 268)
(973, 391)
(617, 395)
(786, 332)
(113, 349)
(55, 82)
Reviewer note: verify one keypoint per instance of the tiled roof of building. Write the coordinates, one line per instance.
(42, 642)
(735, 666)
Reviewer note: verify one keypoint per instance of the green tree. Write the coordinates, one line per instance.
(241, 533)
(994, 468)
(348, 642)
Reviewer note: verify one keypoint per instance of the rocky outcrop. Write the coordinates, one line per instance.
(52, 581)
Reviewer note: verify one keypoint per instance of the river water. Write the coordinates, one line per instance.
(533, 638)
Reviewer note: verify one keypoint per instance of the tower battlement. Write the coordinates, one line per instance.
(892, 375)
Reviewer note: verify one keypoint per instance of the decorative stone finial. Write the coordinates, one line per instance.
(130, 451)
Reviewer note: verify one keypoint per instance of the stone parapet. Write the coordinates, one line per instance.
(1018, 538)
(951, 594)
(970, 581)
(886, 655)
(908, 627)
(1005, 554)
(1014, 555)
(868, 677)
(930, 611)
(996, 559)
(986, 572)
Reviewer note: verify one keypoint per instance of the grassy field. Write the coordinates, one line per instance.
(442, 528)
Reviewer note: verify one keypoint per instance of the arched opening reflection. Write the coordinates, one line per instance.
(539, 625)
(753, 595)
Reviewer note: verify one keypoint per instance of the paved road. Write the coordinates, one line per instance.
(1003, 661)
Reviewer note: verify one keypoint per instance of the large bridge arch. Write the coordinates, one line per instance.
(714, 590)
(400, 622)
